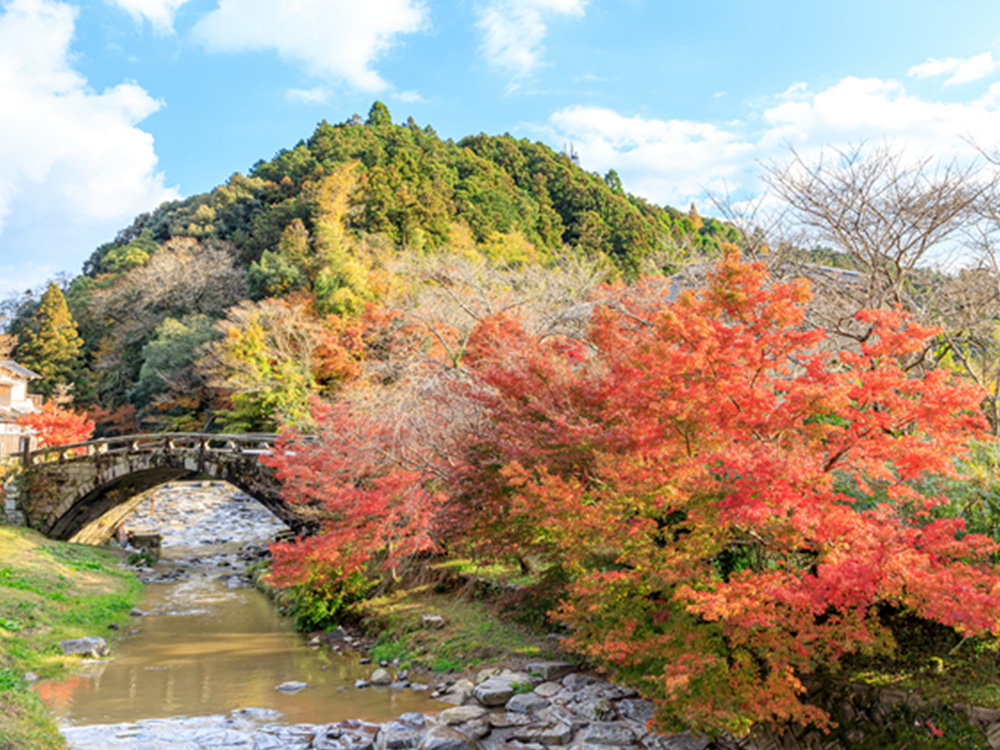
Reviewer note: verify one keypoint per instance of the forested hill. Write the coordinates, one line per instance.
(415, 190)
(320, 230)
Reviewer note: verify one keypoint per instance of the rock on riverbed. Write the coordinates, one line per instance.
(578, 711)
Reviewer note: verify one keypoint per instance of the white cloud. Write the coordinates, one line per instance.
(72, 161)
(160, 13)
(962, 70)
(675, 161)
(315, 95)
(513, 30)
(658, 159)
(332, 39)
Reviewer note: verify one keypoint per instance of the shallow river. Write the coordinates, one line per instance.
(209, 644)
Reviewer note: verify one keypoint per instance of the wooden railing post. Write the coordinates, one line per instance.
(25, 451)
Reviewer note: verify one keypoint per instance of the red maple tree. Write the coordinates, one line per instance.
(364, 485)
(732, 498)
(54, 426)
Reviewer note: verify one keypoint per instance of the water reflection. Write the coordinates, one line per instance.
(205, 649)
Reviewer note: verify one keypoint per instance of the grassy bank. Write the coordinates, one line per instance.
(473, 634)
(49, 592)
(485, 620)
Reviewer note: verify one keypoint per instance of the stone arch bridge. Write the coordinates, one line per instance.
(59, 490)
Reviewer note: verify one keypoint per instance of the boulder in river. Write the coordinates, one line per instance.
(381, 677)
(92, 646)
(292, 687)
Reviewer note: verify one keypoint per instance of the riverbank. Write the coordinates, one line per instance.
(51, 592)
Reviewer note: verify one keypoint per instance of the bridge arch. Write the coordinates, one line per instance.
(62, 489)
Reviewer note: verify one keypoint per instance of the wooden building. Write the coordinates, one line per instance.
(15, 401)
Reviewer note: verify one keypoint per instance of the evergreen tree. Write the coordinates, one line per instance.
(50, 345)
(379, 115)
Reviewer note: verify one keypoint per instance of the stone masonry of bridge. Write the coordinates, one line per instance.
(62, 489)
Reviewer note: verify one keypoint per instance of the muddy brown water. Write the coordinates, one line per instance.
(206, 648)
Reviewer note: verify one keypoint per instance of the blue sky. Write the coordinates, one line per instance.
(108, 107)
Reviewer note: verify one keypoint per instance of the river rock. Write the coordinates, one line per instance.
(458, 693)
(476, 729)
(292, 687)
(544, 734)
(579, 680)
(404, 732)
(551, 670)
(602, 690)
(548, 689)
(636, 709)
(522, 678)
(91, 646)
(298, 737)
(609, 734)
(506, 720)
(346, 735)
(337, 634)
(526, 703)
(599, 710)
(484, 674)
(447, 738)
(460, 714)
(563, 714)
(380, 677)
(493, 692)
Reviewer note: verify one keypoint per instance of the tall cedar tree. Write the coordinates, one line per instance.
(51, 344)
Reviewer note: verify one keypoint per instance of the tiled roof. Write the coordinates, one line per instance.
(14, 367)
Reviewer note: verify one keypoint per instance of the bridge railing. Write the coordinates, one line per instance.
(162, 442)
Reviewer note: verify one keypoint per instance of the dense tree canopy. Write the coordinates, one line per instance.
(331, 221)
(731, 504)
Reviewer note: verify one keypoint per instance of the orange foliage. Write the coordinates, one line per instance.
(54, 426)
(732, 504)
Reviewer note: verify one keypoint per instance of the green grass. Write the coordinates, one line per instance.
(474, 633)
(49, 592)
